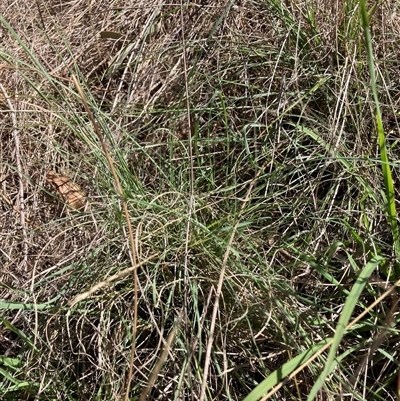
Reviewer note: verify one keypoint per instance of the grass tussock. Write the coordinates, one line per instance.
(256, 146)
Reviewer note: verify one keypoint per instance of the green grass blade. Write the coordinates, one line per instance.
(348, 308)
(387, 175)
(24, 306)
(286, 369)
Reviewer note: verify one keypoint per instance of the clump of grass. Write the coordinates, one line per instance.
(242, 136)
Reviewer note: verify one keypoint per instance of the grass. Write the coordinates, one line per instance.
(240, 237)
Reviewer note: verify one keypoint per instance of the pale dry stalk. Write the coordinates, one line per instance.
(21, 191)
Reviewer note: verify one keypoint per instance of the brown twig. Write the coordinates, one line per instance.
(21, 201)
(129, 226)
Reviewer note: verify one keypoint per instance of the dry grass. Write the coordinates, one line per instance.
(197, 103)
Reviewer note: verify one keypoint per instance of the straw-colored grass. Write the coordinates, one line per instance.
(198, 201)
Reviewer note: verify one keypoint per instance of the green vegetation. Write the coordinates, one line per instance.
(238, 164)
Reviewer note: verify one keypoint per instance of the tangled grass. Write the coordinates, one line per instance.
(243, 135)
